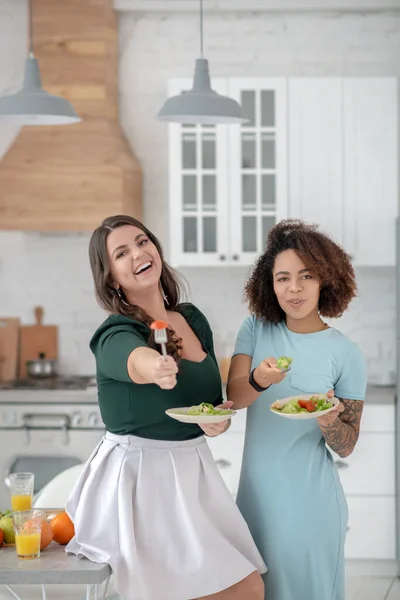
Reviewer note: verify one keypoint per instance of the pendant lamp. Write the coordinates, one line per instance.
(201, 105)
(32, 105)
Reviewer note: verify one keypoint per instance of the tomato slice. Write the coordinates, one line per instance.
(302, 403)
(311, 406)
(307, 404)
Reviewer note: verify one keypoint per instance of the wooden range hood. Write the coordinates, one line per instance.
(68, 178)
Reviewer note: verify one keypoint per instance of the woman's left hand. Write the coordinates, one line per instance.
(217, 428)
(333, 415)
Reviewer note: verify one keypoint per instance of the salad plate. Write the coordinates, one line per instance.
(201, 414)
(305, 406)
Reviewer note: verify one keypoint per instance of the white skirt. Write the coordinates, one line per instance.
(159, 513)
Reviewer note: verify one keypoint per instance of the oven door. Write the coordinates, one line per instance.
(45, 452)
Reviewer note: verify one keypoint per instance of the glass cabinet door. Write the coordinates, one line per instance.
(228, 182)
(198, 191)
(258, 165)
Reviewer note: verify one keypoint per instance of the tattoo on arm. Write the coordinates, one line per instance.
(342, 435)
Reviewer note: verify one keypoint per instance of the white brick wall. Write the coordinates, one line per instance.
(154, 47)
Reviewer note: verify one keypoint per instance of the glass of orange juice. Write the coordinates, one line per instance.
(21, 485)
(28, 528)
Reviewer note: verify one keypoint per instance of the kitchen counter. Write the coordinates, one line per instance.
(53, 567)
(376, 394)
(380, 394)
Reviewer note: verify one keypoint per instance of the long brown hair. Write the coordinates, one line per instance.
(171, 282)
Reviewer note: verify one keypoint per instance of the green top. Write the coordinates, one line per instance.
(139, 409)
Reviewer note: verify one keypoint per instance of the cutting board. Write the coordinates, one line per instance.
(9, 346)
(36, 339)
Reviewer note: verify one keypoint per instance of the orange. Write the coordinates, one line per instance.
(46, 536)
(63, 528)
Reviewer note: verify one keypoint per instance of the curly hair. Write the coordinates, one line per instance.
(319, 253)
(170, 281)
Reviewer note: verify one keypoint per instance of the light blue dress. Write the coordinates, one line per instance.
(289, 492)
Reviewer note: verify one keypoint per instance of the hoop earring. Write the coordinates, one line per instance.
(121, 297)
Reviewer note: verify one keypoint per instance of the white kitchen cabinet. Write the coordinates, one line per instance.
(343, 162)
(369, 470)
(227, 450)
(320, 149)
(198, 198)
(228, 184)
(370, 178)
(257, 165)
(315, 153)
(371, 533)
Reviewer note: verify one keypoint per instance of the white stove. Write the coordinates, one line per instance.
(46, 426)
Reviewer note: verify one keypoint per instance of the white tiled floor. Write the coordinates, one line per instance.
(361, 588)
(372, 588)
(394, 593)
(358, 588)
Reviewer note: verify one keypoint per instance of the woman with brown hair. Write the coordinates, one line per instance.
(289, 492)
(150, 501)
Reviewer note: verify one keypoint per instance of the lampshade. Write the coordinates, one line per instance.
(201, 104)
(32, 105)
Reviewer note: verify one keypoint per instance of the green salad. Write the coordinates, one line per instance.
(206, 409)
(316, 403)
(284, 362)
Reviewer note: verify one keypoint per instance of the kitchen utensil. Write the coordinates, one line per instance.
(285, 370)
(35, 340)
(41, 367)
(9, 347)
(160, 335)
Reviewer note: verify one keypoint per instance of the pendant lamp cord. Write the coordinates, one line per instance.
(30, 21)
(201, 28)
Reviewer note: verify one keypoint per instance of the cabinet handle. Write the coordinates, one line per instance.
(222, 463)
(222, 257)
(341, 465)
(235, 257)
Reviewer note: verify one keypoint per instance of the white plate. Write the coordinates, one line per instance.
(303, 415)
(176, 413)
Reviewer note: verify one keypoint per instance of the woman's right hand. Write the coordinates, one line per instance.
(164, 372)
(268, 373)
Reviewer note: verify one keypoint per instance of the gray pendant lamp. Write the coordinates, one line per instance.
(201, 105)
(32, 105)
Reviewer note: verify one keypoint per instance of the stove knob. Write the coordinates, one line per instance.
(94, 420)
(76, 419)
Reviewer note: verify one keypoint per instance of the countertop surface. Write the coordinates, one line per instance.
(380, 394)
(53, 566)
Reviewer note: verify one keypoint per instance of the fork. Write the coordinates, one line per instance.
(160, 335)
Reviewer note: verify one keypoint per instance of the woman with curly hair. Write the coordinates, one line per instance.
(290, 493)
(150, 501)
